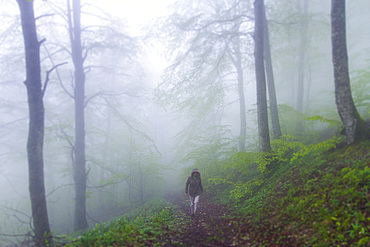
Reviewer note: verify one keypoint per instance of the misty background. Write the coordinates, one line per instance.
(161, 96)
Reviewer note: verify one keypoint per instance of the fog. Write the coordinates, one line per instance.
(158, 100)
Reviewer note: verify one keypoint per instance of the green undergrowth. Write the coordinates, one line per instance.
(319, 195)
(328, 199)
(144, 226)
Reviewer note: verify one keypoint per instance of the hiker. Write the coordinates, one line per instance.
(194, 188)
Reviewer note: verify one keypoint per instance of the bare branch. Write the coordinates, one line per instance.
(91, 97)
(124, 120)
(59, 187)
(15, 210)
(65, 89)
(42, 41)
(67, 138)
(85, 55)
(42, 16)
(106, 184)
(70, 144)
(48, 74)
(16, 215)
(11, 185)
(111, 94)
(232, 20)
(52, 62)
(59, 11)
(13, 122)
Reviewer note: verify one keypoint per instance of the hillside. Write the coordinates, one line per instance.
(324, 202)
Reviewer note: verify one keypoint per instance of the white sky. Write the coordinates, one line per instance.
(138, 13)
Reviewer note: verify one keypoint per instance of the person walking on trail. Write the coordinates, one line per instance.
(194, 188)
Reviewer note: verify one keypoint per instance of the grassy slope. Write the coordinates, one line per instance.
(324, 202)
(145, 226)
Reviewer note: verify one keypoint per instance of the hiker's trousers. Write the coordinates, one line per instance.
(193, 204)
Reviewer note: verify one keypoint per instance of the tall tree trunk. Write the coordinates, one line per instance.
(262, 115)
(308, 88)
(270, 79)
(354, 125)
(301, 62)
(242, 110)
(237, 61)
(35, 140)
(79, 166)
(103, 199)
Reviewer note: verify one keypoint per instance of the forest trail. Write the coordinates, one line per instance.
(213, 226)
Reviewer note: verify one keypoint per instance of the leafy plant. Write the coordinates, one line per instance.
(147, 227)
(323, 119)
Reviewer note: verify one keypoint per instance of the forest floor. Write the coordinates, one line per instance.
(215, 225)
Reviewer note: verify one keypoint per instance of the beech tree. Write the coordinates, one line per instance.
(270, 79)
(213, 40)
(79, 162)
(303, 25)
(35, 142)
(262, 116)
(91, 48)
(354, 126)
(235, 53)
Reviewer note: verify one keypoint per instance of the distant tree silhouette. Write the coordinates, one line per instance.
(270, 79)
(79, 162)
(262, 116)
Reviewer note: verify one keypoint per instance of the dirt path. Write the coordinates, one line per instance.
(213, 226)
(209, 227)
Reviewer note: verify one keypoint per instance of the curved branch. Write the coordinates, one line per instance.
(42, 16)
(59, 187)
(52, 62)
(47, 76)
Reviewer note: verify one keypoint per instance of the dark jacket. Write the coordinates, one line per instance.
(194, 185)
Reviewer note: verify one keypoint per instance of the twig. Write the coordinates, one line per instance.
(59, 187)
(47, 76)
(111, 94)
(42, 16)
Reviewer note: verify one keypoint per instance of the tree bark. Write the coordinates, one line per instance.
(35, 140)
(354, 125)
(270, 79)
(79, 163)
(262, 115)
